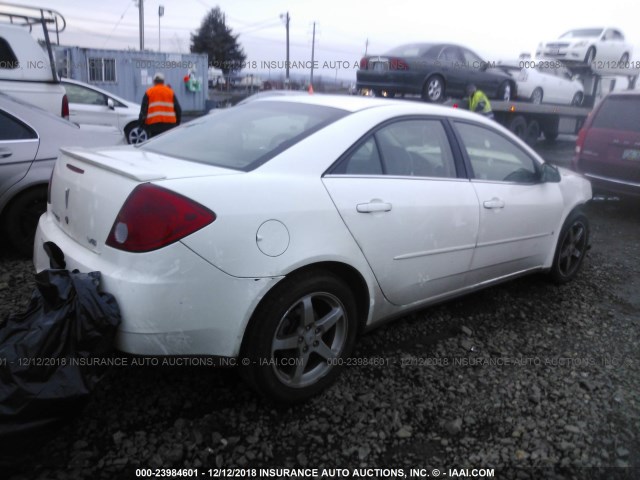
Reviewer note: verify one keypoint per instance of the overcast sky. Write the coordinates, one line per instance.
(494, 29)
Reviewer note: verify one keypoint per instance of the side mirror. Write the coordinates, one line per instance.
(549, 173)
(483, 66)
(110, 104)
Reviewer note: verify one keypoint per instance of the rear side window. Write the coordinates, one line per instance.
(8, 59)
(415, 148)
(246, 136)
(13, 129)
(619, 113)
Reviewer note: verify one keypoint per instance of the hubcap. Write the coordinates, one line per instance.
(310, 334)
(507, 92)
(573, 249)
(537, 97)
(137, 135)
(434, 90)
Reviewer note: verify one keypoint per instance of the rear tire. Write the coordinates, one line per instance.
(536, 96)
(518, 126)
(533, 132)
(573, 243)
(433, 89)
(21, 219)
(298, 336)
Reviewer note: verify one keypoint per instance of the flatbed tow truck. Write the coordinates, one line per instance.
(528, 121)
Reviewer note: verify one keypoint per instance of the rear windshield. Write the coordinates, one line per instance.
(619, 113)
(246, 136)
(585, 32)
(413, 50)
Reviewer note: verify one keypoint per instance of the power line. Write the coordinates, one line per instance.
(129, 3)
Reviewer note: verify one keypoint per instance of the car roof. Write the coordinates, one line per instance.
(355, 103)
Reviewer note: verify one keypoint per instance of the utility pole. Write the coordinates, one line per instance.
(313, 47)
(160, 14)
(141, 21)
(366, 47)
(287, 19)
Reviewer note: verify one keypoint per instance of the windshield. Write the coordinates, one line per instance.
(246, 136)
(585, 32)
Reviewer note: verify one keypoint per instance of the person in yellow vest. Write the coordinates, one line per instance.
(160, 110)
(478, 101)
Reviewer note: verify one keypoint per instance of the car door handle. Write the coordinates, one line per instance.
(4, 153)
(493, 203)
(373, 207)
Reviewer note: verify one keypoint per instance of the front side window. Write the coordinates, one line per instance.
(495, 158)
(416, 148)
(13, 129)
(86, 96)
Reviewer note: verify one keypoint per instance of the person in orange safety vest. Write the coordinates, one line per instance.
(160, 110)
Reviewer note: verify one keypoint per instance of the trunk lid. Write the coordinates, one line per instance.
(88, 187)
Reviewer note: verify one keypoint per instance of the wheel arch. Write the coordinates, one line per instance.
(348, 273)
(4, 208)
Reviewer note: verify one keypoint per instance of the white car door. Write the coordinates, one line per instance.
(88, 106)
(415, 221)
(18, 148)
(518, 214)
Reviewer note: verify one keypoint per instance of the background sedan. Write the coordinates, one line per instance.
(276, 231)
(92, 105)
(434, 71)
(30, 139)
(545, 81)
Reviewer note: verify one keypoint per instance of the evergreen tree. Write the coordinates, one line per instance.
(217, 40)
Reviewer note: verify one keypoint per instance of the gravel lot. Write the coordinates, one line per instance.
(535, 380)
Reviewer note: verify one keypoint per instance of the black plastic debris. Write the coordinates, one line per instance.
(46, 372)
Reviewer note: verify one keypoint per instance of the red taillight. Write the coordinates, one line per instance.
(49, 185)
(65, 107)
(398, 64)
(364, 63)
(153, 217)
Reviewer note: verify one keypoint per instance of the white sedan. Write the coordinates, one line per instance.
(276, 231)
(94, 106)
(606, 46)
(30, 139)
(545, 81)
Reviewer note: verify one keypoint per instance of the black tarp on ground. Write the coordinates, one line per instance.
(68, 318)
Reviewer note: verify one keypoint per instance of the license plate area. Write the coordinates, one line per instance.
(631, 154)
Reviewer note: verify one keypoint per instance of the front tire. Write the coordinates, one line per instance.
(573, 243)
(590, 56)
(299, 335)
(135, 134)
(577, 99)
(505, 91)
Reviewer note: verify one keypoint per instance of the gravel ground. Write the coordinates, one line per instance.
(535, 380)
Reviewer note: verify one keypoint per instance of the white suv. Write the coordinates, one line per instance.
(26, 70)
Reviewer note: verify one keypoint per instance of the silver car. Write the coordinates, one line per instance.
(30, 139)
